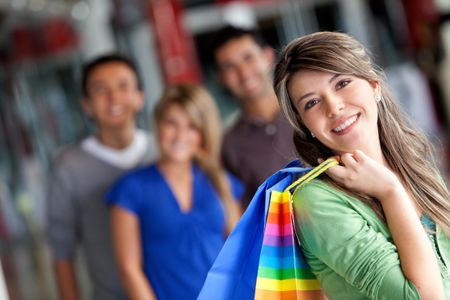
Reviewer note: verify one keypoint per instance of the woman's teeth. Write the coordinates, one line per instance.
(346, 124)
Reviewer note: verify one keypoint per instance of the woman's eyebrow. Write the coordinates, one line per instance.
(310, 94)
(304, 96)
(334, 77)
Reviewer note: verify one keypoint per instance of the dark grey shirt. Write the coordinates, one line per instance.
(78, 215)
(253, 150)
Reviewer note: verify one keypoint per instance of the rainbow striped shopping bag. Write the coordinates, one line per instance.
(261, 258)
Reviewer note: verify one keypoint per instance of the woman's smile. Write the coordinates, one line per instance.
(339, 110)
(346, 125)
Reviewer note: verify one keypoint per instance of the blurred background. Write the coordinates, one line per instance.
(44, 42)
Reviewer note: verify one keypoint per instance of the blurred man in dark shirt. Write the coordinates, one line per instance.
(260, 142)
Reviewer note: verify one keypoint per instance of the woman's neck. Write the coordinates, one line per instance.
(374, 152)
(170, 167)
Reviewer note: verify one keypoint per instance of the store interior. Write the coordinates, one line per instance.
(43, 44)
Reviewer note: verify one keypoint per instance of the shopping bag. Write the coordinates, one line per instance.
(261, 259)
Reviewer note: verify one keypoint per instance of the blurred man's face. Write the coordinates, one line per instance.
(113, 95)
(245, 68)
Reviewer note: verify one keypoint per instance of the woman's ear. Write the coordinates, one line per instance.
(376, 86)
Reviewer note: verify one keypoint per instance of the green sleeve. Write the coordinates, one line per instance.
(335, 230)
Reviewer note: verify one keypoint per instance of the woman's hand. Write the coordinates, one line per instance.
(128, 250)
(362, 174)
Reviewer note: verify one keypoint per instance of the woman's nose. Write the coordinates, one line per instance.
(335, 105)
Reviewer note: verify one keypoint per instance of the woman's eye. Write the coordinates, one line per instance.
(169, 122)
(193, 127)
(342, 83)
(311, 103)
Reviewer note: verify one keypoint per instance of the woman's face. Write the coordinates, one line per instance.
(179, 139)
(340, 110)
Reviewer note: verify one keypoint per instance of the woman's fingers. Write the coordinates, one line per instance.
(346, 171)
(337, 172)
(348, 160)
(359, 156)
(360, 173)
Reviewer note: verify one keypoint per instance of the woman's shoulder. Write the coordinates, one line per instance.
(318, 187)
(131, 186)
(318, 192)
(139, 174)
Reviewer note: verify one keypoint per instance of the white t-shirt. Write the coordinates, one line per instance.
(125, 158)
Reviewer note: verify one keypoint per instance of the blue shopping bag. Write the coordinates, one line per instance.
(249, 262)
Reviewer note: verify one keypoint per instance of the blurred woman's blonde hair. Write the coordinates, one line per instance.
(200, 107)
(405, 147)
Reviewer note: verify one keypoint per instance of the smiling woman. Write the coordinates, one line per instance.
(179, 139)
(340, 110)
(360, 226)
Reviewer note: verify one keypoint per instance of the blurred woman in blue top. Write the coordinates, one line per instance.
(170, 219)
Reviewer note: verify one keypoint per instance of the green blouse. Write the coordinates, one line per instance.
(351, 250)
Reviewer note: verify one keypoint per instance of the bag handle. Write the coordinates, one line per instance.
(325, 165)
